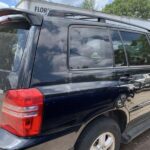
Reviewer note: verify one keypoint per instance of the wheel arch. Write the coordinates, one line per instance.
(121, 116)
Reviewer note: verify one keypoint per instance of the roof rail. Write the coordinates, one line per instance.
(33, 18)
(91, 15)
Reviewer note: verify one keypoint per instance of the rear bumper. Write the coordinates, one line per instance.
(9, 141)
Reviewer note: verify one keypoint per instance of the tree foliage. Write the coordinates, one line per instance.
(88, 4)
(132, 8)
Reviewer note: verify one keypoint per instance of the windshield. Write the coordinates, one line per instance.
(12, 44)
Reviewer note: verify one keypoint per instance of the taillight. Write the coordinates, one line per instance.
(21, 112)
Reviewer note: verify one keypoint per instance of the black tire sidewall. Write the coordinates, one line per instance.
(95, 129)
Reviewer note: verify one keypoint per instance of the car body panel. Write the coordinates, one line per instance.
(72, 98)
(138, 101)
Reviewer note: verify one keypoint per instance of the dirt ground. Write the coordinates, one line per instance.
(140, 143)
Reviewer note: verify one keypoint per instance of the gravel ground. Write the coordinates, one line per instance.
(140, 143)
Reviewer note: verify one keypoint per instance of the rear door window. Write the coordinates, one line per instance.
(137, 47)
(90, 48)
(12, 44)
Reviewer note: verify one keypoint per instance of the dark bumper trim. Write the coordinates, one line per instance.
(9, 141)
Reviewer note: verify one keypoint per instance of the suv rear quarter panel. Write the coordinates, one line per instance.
(71, 97)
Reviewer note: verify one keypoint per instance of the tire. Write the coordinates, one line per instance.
(102, 127)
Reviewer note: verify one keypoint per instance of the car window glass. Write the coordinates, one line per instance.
(137, 47)
(90, 48)
(119, 54)
(12, 45)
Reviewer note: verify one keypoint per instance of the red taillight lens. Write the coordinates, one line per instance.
(21, 112)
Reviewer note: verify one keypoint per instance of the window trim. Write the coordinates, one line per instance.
(148, 37)
(68, 45)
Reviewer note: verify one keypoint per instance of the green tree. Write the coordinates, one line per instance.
(132, 8)
(88, 4)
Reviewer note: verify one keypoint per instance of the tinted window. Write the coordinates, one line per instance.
(12, 45)
(137, 47)
(90, 48)
(120, 59)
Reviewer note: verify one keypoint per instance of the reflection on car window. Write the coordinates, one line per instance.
(12, 45)
(90, 48)
(137, 47)
(120, 59)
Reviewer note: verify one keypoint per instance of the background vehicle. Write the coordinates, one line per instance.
(66, 76)
(143, 80)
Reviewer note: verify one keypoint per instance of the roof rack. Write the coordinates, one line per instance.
(90, 15)
(33, 18)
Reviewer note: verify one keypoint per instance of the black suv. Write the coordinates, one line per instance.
(73, 80)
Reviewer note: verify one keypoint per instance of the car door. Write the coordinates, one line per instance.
(132, 64)
(91, 66)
